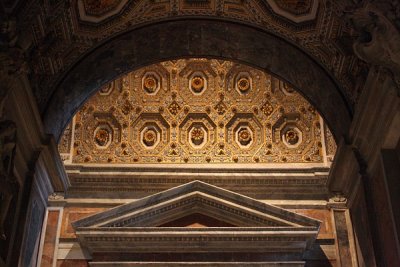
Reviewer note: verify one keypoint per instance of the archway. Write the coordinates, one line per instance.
(200, 38)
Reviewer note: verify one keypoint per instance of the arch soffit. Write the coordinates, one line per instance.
(197, 38)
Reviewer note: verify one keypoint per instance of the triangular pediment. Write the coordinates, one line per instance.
(196, 198)
(196, 217)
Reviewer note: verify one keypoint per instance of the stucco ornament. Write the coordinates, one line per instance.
(378, 41)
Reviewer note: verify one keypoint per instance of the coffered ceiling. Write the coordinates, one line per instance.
(197, 111)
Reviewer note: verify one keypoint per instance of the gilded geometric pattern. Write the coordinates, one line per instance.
(198, 111)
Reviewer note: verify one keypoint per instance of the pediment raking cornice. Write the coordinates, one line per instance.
(135, 227)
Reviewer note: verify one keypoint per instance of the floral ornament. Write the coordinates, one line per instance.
(197, 84)
(243, 84)
(244, 136)
(267, 108)
(292, 137)
(220, 107)
(174, 108)
(102, 137)
(126, 107)
(197, 135)
(150, 83)
(150, 137)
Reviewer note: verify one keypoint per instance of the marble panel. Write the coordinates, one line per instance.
(50, 239)
(71, 215)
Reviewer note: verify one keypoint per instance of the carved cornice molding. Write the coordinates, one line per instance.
(198, 264)
(129, 182)
(198, 240)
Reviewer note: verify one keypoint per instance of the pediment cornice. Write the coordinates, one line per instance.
(134, 227)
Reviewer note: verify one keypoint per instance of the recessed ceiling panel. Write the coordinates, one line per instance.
(197, 111)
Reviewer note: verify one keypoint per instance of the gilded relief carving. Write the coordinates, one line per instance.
(102, 135)
(291, 136)
(197, 84)
(244, 136)
(243, 83)
(151, 83)
(198, 111)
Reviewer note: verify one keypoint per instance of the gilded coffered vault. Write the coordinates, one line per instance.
(197, 111)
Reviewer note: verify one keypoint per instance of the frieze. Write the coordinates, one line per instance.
(184, 238)
(263, 184)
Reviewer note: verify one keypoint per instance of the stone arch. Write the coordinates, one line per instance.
(197, 38)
